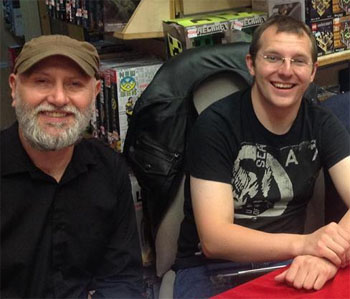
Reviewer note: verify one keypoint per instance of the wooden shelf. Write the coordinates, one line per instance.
(198, 6)
(334, 58)
(146, 21)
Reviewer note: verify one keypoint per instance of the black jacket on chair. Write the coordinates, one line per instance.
(163, 115)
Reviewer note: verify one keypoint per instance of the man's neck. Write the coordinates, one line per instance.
(276, 120)
(53, 163)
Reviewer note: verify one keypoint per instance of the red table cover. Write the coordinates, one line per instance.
(266, 287)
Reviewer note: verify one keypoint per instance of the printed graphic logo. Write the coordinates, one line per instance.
(257, 171)
(127, 83)
(175, 46)
(262, 184)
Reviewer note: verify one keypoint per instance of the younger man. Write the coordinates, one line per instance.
(253, 159)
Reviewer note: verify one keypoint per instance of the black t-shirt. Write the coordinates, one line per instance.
(273, 176)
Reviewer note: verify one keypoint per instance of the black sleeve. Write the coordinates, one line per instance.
(212, 146)
(335, 141)
(120, 273)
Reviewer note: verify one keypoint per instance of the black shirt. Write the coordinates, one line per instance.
(64, 239)
(272, 176)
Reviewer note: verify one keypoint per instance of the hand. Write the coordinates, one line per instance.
(347, 260)
(331, 242)
(308, 272)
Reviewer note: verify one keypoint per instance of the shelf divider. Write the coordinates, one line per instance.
(146, 21)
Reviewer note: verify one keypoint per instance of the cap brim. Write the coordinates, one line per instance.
(84, 65)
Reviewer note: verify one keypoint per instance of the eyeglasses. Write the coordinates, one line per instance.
(278, 61)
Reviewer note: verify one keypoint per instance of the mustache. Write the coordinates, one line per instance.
(52, 108)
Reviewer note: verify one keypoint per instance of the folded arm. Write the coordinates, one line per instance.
(308, 272)
(312, 272)
(221, 238)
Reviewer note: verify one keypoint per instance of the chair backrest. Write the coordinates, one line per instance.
(216, 87)
(207, 92)
(163, 115)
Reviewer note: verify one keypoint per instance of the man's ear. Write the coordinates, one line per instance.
(250, 64)
(97, 87)
(13, 83)
(314, 70)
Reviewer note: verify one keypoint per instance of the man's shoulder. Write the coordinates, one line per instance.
(100, 152)
(98, 145)
(9, 131)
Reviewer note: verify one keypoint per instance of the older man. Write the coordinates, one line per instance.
(67, 217)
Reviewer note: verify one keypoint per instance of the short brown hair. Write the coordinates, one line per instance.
(283, 24)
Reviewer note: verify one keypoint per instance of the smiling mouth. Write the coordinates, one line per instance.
(56, 114)
(283, 85)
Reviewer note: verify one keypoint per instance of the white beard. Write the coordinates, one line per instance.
(38, 138)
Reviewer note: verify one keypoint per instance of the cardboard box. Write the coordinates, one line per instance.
(341, 31)
(210, 29)
(192, 32)
(243, 24)
(323, 32)
(317, 10)
(294, 8)
(341, 8)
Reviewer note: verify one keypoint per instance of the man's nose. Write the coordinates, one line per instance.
(286, 68)
(58, 95)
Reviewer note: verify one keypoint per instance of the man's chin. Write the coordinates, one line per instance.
(55, 128)
(52, 140)
(51, 146)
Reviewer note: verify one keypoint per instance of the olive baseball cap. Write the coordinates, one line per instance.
(37, 49)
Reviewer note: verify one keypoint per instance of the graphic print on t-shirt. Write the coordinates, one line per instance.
(261, 177)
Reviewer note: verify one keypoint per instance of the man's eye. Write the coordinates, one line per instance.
(41, 81)
(300, 61)
(75, 84)
(272, 58)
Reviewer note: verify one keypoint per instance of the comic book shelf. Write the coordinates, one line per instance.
(334, 58)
